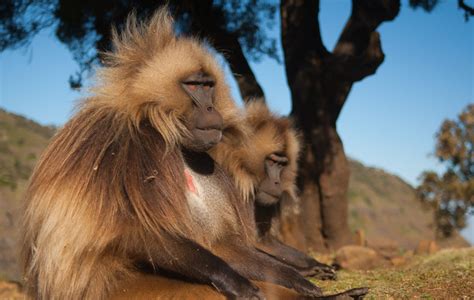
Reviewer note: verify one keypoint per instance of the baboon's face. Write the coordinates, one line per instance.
(270, 188)
(204, 122)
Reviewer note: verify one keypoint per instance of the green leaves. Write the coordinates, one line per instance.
(452, 193)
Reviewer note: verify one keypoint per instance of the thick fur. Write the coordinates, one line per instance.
(244, 160)
(266, 134)
(110, 187)
(146, 287)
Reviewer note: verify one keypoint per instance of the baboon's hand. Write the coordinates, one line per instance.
(256, 295)
(242, 290)
(320, 271)
(253, 293)
(352, 294)
(306, 288)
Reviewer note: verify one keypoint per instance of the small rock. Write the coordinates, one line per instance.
(360, 237)
(10, 290)
(426, 247)
(359, 258)
(386, 247)
(408, 254)
(398, 261)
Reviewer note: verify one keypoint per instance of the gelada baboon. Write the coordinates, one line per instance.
(264, 167)
(127, 181)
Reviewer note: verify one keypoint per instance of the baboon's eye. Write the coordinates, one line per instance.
(199, 88)
(193, 85)
(277, 158)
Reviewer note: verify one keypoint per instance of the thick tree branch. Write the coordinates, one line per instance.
(351, 67)
(229, 46)
(466, 7)
(301, 35)
(358, 52)
(468, 11)
(205, 23)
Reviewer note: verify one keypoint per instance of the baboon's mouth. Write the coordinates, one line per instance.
(269, 194)
(209, 134)
(266, 198)
(211, 127)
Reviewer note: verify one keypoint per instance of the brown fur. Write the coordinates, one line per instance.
(110, 186)
(245, 161)
(266, 134)
(146, 287)
(109, 197)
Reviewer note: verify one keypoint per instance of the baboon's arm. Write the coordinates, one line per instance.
(305, 264)
(256, 265)
(188, 258)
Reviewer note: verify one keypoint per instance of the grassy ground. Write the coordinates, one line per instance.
(448, 274)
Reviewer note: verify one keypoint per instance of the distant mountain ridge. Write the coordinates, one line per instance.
(385, 207)
(381, 204)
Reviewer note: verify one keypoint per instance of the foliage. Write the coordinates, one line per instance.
(20, 20)
(84, 26)
(429, 5)
(452, 193)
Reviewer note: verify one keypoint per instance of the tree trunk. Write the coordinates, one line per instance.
(227, 43)
(320, 82)
(229, 46)
(324, 171)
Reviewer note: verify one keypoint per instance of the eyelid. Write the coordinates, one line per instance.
(202, 83)
(278, 163)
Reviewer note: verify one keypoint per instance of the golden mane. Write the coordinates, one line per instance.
(265, 133)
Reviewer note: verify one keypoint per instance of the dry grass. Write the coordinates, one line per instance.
(448, 274)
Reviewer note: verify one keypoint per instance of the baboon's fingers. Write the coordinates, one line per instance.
(356, 293)
(320, 271)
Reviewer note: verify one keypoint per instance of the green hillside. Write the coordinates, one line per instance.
(386, 208)
(381, 204)
(21, 143)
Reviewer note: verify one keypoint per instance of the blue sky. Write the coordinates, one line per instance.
(389, 120)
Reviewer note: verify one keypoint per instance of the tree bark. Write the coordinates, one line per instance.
(204, 23)
(229, 46)
(320, 82)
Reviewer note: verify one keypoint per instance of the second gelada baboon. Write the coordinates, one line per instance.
(264, 166)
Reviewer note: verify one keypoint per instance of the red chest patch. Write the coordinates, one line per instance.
(190, 182)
